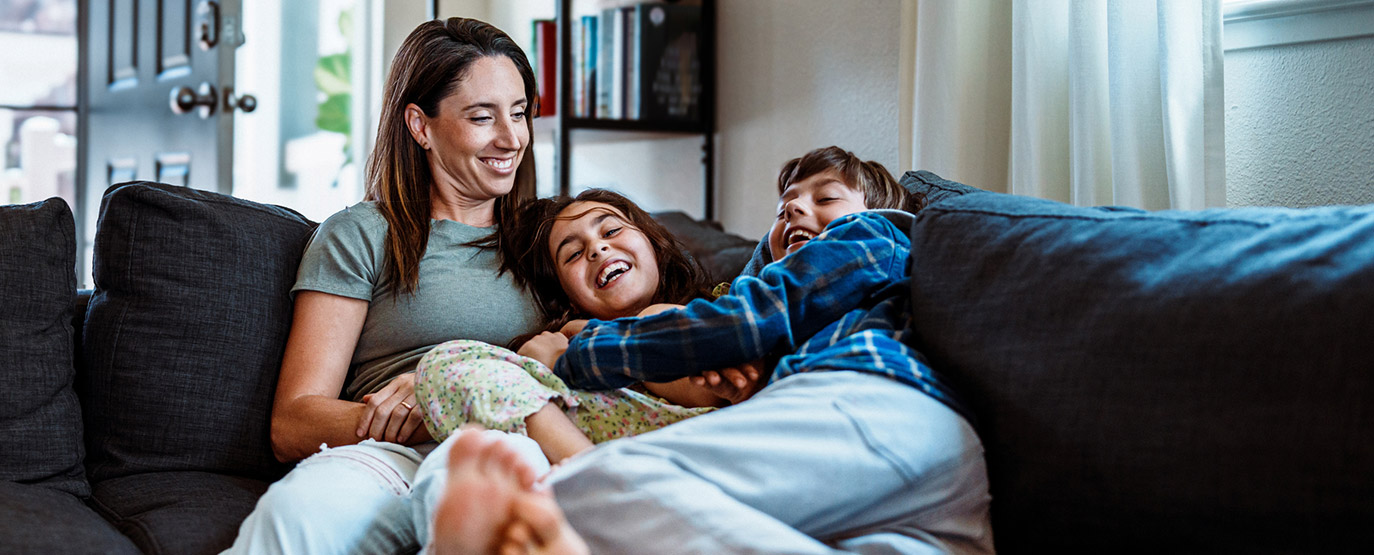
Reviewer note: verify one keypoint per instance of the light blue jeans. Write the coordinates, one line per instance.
(819, 462)
(373, 497)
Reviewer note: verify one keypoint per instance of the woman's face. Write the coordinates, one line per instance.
(606, 266)
(807, 206)
(476, 140)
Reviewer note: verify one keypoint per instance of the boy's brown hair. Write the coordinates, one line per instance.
(880, 189)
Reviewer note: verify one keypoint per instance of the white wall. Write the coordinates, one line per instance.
(1300, 124)
(794, 75)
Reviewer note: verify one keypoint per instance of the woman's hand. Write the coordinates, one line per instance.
(735, 384)
(392, 415)
(545, 347)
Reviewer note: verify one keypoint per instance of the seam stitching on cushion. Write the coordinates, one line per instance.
(1143, 218)
(231, 201)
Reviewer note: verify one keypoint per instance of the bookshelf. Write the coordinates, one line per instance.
(696, 109)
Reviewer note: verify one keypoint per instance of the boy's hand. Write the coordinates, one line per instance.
(732, 384)
(545, 348)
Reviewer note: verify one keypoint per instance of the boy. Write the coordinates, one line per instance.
(856, 444)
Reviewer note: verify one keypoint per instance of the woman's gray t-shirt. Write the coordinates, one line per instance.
(459, 295)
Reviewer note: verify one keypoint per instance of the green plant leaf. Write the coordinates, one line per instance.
(333, 115)
(333, 74)
(346, 25)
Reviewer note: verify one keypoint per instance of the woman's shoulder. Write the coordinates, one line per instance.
(361, 218)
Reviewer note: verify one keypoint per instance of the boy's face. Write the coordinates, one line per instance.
(807, 206)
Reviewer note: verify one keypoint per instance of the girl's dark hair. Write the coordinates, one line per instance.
(681, 277)
(428, 67)
(871, 178)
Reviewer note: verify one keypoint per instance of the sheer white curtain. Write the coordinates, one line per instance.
(1084, 101)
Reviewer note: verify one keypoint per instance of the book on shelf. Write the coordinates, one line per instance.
(629, 101)
(668, 42)
(546, 65)
(585, 55)
(638, 61)
(610, 77)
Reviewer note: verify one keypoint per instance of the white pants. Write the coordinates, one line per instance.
(816, 463)
(373, 497)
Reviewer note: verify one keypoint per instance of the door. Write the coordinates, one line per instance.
(157, 98)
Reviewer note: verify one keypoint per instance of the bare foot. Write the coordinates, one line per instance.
(540, 528)
(485, 480)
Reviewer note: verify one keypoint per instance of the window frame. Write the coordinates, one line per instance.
(1265, 23)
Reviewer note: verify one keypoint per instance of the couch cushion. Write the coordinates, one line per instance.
(1162, 382)
(721, 254)
(184, 335)
(37, 519)
(40, 418)
(934, 187)
(178, 512)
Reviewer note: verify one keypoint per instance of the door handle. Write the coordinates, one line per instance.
(246, 102)
(203, 100)
(207, 24)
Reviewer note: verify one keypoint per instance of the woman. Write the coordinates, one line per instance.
(385, 280)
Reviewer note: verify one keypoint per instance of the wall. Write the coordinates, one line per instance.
(794, 75)
(1300, 124)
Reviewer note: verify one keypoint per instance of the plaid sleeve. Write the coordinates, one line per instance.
(789, 301)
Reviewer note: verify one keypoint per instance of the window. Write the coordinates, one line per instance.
(304, 146)
(38, 57)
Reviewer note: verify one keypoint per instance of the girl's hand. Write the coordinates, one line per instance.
(392, 414)
(573, 328)
(736, 384)
(545, 347)
(657, 308)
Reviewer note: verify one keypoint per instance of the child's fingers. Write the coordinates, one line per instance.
(736, 377)
(712, 377)
(698, 381)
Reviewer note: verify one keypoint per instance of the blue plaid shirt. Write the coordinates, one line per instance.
(841, 302)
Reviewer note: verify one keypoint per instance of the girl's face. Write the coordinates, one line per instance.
(476, 140)
(606, 265)
(807, 206)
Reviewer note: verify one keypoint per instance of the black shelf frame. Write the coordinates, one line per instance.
(565, 124)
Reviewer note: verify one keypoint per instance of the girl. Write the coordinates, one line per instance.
(594, 256)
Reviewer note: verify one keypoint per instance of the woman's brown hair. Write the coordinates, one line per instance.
(681, 277)
(428, 67)
(871, 178)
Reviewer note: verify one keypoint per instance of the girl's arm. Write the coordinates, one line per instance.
(307, 410)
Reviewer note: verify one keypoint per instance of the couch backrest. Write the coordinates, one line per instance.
(183, 337)
(1159, 381)
(40, 418)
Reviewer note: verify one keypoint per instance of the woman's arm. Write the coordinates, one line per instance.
(307, 410)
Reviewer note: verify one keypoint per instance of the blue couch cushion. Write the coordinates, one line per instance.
(934, 187)
(1162, 382)
(178, 512)
(38, 519)
(721, 254)
(40, 417)
(185, 331)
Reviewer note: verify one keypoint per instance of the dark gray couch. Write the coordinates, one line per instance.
(1143, 382)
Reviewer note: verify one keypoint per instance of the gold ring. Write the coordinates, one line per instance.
(408, 406)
